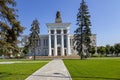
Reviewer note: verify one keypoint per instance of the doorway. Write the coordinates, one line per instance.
(59, 51)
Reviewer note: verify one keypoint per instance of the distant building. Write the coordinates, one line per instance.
(58, 41)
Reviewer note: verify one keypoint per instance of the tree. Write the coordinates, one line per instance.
(107, 49)
(101, 50)
(112, 50)
(34, 36)
(92, 51)
(117, 49)
(10, 27)
(98, 50)
(82, 33)
(26, 49)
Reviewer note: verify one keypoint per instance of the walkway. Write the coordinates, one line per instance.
(54, 70)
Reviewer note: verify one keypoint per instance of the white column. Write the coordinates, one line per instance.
(68, 44)
(62, 42)
(50, 43)
(55, 43)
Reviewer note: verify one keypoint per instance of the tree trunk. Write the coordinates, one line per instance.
(81, 56)
(117, 54)
(34, 53)
(106, 55)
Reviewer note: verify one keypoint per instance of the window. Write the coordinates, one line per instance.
(52, 31)
(44, 42)
(65, 31)
(65, 52)
(52, 41)
(40, 42)
(58, 31)
(65, 41)
(58, 39)
(44, 52)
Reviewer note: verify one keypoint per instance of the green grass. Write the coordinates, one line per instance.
(94, 69)
(20, 69)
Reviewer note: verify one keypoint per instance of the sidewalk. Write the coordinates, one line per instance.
(54, 70)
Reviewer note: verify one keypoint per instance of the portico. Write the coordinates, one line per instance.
(59, 39)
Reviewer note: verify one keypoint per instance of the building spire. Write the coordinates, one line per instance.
(58, 17)
(83, 1)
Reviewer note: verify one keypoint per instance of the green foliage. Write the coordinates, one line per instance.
(83, 32)
(112, 49)
(92, 50)
(35, 26)
(10, 27)
(34, 36)
(107, 49)
(26, 50)
(19, 71)
(101, 50)
(117, 49)
(103, 69)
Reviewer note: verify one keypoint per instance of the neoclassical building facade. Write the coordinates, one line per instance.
(58, 41)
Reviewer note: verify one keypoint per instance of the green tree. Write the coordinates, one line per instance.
(83, 32)
(10, 27)
(117, 49)
(26, 49)
(34, 36)
(92, 51)
(101, 50)
(98, 50)
(112, 50)
(107, 49)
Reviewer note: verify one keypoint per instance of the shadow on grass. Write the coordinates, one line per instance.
(55, 75)
(5, 74)
(95, 78)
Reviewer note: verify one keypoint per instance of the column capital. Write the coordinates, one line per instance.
(68, 31)
(55, 31)
(49, 31)
(62, 32)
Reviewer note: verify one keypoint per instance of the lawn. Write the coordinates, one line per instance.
(19, 70)
(94, 69)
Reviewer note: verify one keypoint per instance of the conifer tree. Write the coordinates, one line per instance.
(82, 33)
(34, 36)
(10, 28)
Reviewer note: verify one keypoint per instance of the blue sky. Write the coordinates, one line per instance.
(105, 16)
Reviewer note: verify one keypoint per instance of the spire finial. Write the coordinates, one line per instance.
(83, 1)
(58, 17)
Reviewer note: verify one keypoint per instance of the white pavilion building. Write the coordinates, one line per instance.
(58, 42)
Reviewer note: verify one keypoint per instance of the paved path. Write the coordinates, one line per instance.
(54, 70)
